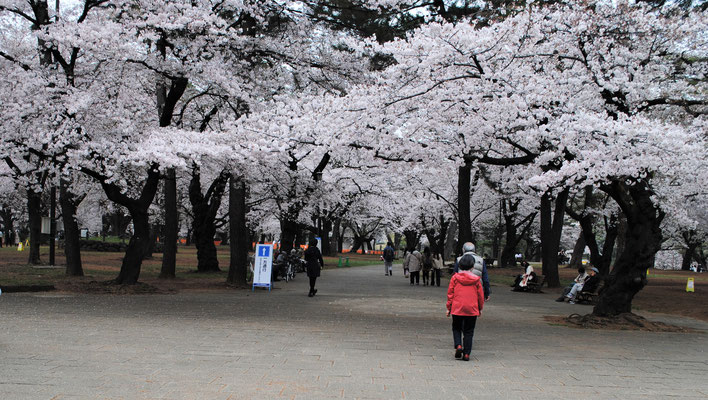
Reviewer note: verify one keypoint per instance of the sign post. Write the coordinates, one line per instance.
(263, 266)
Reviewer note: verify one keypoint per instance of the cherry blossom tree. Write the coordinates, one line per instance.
(573, 95)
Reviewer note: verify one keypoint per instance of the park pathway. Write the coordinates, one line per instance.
(364, 335)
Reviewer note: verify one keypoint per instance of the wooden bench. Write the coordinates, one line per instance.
(535, 286)
(590, 297)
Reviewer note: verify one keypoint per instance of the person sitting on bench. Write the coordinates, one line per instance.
(522, 281)
(582, 275)
(589, 285)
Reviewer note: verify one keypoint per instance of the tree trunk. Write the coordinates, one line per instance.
(138, 208)
(137, 247)
(692, 244)
(621, 235)
(324, 234)
(450, 242)
(238, 231)
(340, 240)
(34, 209)
(439, 246)
(412, 239)
(205, 208)
(169, 242)
(150, 248)
(8, 224)
(188, 241)
(335, 235)
(608, 247)
(72, 235)
(508, 256)
(52, 225)
(206, 249)
(358, 244)
(688, 257)
(642, 241)
(300, 238)
(288, 232)
(576, 260)
(551, 229)
(464, 233)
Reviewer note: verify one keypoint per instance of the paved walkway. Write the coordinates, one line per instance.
(363, 336)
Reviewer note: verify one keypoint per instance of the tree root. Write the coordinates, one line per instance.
(624, 321)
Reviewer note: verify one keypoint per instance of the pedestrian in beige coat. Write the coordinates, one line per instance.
(414, 263)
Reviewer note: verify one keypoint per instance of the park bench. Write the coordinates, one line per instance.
(589, 297)
(535, 286)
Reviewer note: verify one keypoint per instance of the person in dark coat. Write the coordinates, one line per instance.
(313, 259)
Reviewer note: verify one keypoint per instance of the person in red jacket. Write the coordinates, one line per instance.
(465, 299)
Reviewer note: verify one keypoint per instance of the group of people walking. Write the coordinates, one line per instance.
(428, 263)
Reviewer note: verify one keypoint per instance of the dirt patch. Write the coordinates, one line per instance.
(622, 322)
(665, 291)
(668, 295)
(108, 287)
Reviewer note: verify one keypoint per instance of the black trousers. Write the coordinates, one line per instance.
(312, 283)
(463, 325)
(415, 275)
(435, 275)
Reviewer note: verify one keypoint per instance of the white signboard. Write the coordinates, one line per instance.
(46, 225)
(263, 266)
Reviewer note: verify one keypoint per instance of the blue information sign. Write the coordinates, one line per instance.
(263, 266)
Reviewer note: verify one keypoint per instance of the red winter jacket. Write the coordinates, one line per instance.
(465, 295)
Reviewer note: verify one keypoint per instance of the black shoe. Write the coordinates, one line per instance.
(458, 352)
(314, 292)
(466, 357)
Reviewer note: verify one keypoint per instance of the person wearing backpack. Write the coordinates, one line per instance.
(388, 256)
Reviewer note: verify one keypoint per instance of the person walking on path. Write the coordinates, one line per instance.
(388, 255)
(427, 267)
(480, 267)
(313, 259)
(413, 263)
(465, 300)
(436, 273)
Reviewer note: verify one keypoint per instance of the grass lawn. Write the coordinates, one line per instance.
(102, 266)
